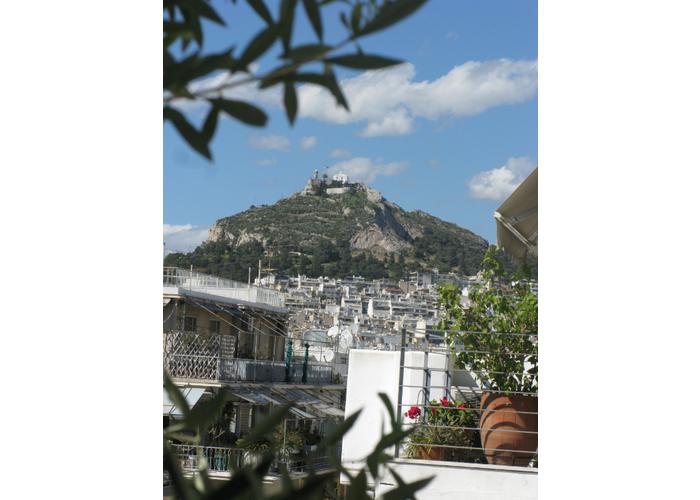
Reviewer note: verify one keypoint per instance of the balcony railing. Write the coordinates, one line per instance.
(192, 356)
(175, 277)
(222, 460)
(486, 412)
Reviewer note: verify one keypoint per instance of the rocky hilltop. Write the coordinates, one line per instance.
(335, 228)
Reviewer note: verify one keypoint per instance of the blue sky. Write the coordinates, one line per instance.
(450, 134)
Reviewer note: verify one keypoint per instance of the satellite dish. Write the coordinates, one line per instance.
(328, 355)
(333, 331)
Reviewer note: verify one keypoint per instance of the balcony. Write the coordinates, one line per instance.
(216, 358)
(476, 448)
(289, 446)
(175, 278)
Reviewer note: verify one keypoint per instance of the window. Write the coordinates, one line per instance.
(190, 324)
(214, 326)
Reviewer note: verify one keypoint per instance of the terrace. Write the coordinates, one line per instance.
(217, 359)
(474, 447)
(176, 281)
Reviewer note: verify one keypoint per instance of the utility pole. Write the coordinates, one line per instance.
(249, 269)
(259, 270)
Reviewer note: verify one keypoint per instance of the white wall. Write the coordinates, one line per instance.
(470, 481)
(369, 372)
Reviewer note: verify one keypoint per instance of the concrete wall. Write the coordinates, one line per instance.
(369, 372)
(471, 481)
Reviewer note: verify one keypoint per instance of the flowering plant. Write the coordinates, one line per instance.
(443, 423)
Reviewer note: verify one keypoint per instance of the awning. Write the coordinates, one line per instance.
(516, 220)
(255, 397)
(191, 394)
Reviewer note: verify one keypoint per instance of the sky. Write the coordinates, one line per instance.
(451, 132)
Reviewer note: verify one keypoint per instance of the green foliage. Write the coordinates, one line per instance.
(496, 336)
(184, 61)
(321, 229)
(247, 483)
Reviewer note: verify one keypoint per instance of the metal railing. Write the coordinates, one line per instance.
(214, 357)
(224, 460)
(219, 458)
(463, 406)
(176, 277)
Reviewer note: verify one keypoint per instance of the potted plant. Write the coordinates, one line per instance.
(495, 337)
(443, 423)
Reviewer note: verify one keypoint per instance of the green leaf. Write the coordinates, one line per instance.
(307, 52)
(191, 135)
(313, 485)
(356, 17)
(335, 89)
(391, 13)
(286, 22)
(389, 407)
(358, 487)
(396, 436)
(201, 8)
(241, 481)
(363, 61)
(268, 424)
(260, 7)
(290, 101)
(207, 411)
(204, 65)
(182, 488)
(260, 44)
(314, 15)
(195, 26)
(242, 111)
(210, 123)
(338, 432)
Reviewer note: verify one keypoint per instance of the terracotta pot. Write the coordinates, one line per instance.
(502, 412)
(432, 453)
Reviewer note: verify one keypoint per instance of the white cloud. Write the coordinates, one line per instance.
(397, 122)
(175, 228)
(366, 170)
(388, 101)
(496, 184)
(278, 142)
(308, 142)
(267, 162)
(340, 153)
(183, 237)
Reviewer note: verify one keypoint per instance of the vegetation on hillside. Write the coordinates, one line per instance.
(312, 235)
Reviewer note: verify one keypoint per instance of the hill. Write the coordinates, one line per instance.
(334, 229)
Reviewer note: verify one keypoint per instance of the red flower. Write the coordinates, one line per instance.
(445, 401)
(461, 407)
(413, 412)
